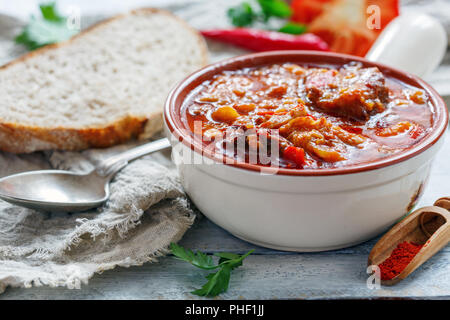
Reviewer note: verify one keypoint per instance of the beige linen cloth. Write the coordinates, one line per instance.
(147, 209)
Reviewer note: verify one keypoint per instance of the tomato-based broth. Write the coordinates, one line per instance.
(317, 116)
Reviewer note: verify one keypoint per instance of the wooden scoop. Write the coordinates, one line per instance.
(429, 226)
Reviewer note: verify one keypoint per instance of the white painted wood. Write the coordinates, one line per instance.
(296, 276)
(267, 273)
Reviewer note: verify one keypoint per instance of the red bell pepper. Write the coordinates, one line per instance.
(262, 40)
(344, 24)
(295, 154)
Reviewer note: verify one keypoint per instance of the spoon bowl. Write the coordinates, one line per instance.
(66, 191)
(55, 190)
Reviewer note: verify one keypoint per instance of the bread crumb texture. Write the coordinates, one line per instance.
(100, 88)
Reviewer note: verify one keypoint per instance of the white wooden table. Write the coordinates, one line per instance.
(267, 273)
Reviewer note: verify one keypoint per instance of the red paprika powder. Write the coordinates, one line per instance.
(400, 257)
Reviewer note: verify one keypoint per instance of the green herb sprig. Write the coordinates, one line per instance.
(293, 28)
(244, 15)
(218, 281)
(275, 8)
(50, 28)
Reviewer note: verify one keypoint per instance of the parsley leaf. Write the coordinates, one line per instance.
(199, 259)
(293, 28)
(231, 259)
(49, 12)
(50, 28)
(275, 8)
(244, 15)
(226, 256)
(218, 281)
(241, 15)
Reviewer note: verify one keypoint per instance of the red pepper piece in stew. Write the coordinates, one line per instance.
(296, 155)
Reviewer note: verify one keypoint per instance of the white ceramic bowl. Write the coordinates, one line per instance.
(294, 209)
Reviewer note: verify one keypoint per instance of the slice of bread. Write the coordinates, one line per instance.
(102, 87)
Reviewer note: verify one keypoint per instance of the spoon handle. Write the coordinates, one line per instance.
(112, 165)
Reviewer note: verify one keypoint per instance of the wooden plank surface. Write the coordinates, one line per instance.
(267, 273)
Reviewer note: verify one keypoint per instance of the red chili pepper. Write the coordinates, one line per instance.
(262, 40)
(295, 154)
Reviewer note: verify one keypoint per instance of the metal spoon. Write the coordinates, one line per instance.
(65, 191)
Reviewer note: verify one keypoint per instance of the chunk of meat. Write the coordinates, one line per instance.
(353, 92)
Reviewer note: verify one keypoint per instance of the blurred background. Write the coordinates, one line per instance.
(339, 28)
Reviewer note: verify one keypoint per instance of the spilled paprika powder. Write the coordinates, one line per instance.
(400, 257)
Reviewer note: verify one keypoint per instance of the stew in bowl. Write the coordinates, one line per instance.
(326, 115)
(353, 140)
(319, 116)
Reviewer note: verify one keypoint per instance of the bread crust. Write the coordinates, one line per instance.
(19, 138)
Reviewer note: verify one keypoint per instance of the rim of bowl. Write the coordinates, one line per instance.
(176, 98)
